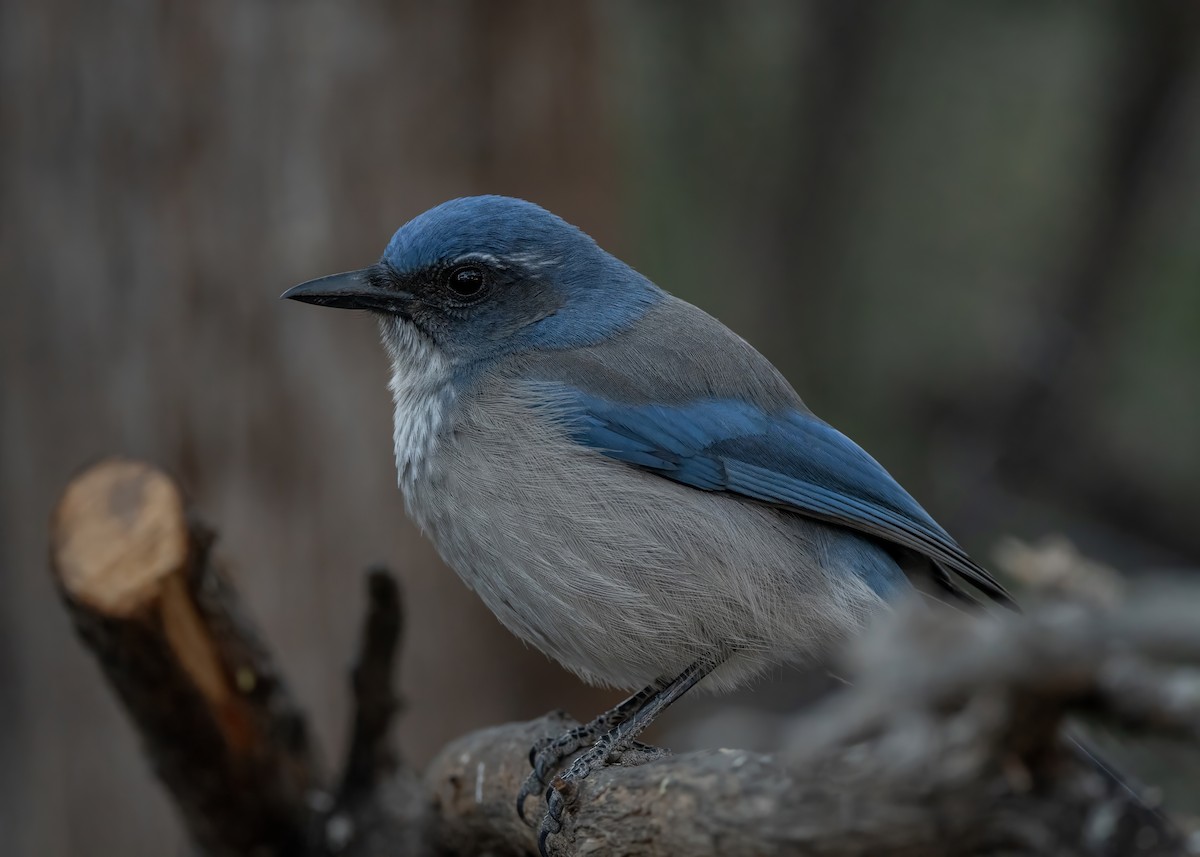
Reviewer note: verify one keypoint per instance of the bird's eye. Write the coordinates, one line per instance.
(466, 281)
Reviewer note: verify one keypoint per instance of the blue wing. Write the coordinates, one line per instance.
(790, 459)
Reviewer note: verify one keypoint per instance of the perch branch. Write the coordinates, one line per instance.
(949, 743)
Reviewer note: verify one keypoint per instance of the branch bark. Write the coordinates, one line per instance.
(950, 742)
(371, 759)
(380, 810)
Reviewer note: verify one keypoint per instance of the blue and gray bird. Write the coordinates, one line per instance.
(626, 483)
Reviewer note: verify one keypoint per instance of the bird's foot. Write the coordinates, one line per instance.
(621, 728)
(563, 791)
(545, 757)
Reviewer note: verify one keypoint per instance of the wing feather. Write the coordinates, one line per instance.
(788, 459)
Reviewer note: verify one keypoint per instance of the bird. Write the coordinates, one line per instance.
(626, 483)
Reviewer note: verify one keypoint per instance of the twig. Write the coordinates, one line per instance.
(381, 807)
(371, 758)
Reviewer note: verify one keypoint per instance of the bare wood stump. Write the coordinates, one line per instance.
(214, 714)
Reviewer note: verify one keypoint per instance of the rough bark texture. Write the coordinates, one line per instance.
(951, 740)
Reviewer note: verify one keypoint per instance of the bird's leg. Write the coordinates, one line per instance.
(547, 754)
(621, 737)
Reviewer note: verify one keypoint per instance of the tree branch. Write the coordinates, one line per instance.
(950, 742)
(381, 806)
(216, 718)
(370, 758)
(213, 712)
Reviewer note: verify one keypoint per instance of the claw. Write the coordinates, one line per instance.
(617, 729)
(544, 757)
(534, 784)
(539, 746)
(563, 792)
(531, 786)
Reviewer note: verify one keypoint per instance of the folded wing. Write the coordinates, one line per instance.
(788, 459)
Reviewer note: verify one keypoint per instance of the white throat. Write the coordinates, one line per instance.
(420, 386)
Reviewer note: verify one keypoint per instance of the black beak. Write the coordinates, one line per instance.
(369, 288)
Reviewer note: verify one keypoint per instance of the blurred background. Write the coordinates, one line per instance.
(968, 233)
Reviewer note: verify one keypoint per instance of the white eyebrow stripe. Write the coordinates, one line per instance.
(479, 257)
(534, 261)
(528, 260)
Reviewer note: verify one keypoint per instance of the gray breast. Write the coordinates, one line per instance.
(621, 575)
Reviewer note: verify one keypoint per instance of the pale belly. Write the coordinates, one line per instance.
(624, 576)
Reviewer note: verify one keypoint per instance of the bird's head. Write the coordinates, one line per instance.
(481, 277)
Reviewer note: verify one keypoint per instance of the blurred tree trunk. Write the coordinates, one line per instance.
(1034, 424)
(168, 170)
